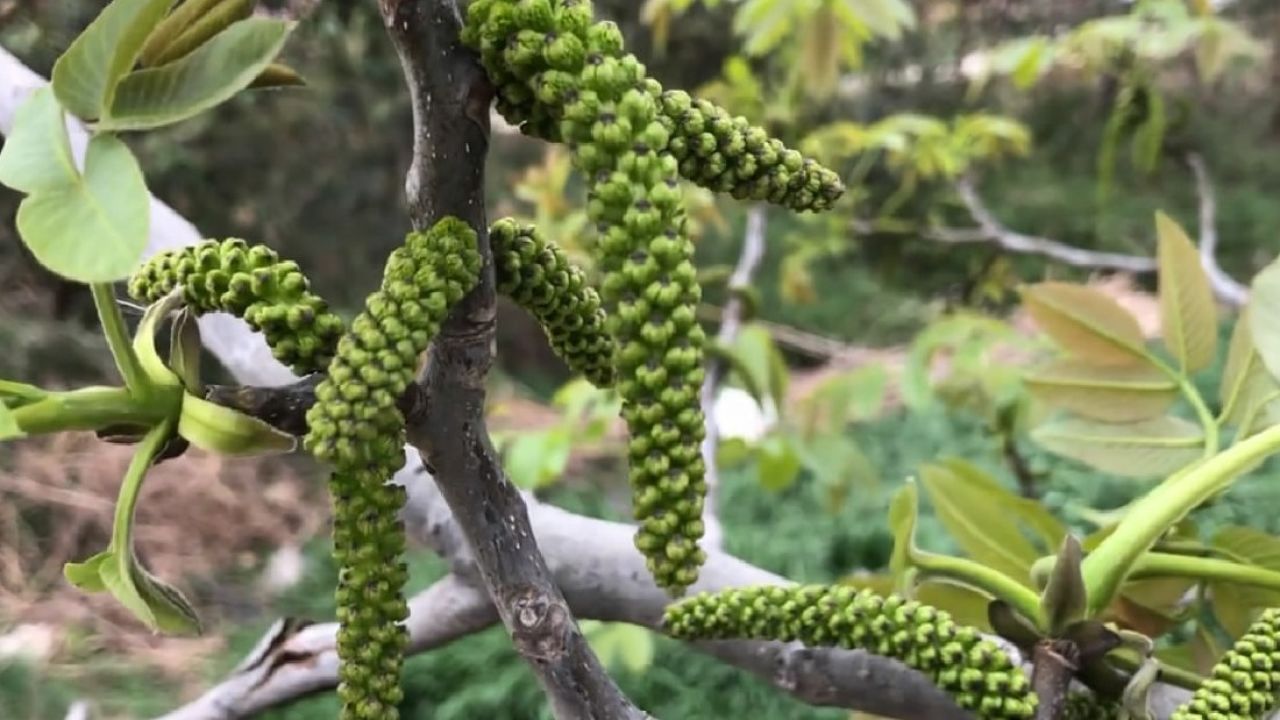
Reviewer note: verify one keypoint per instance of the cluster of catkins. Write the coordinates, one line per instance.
(254, 284)
(355, 423)
(356, 426)
(564, 77)
(1244, 681)
(973, 670)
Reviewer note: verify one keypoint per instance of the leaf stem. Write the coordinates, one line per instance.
(131, 486)
(113, 327)
(1111, 562)
(980, 577)
(1166, 565)
(91, 408)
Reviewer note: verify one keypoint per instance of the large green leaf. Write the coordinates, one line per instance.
(965, 510)
(94, 229)
(211, 75)
(1143, 449)
(1113, 393)
(1264, 321)
(1085, 323)
(1187, 313)
(37, 155)
(85, 77)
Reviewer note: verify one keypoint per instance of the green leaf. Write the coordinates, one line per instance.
(118, 580)
(37, 154)
(903, 511)
(218, 429)
(1065, 598)
(1234, 604)
(1265, 321)
(184, 351)
(86, 76)
(1143, 449)
(211, 75)
(1239, 367)
(966, 605)
(170, 608)
(965, 510)
(87, 575)
(622, 643)
(778, 463)
(167, 31)
(534, 460)
(157, 370)
(1188, 315)
(93, 230)
(838, 464)
(1112, 393)
(757, 357)
(1030, 513)
(1086, 323)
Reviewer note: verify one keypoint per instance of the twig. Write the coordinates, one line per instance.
(1223, 284)
(730, 322)
(991, 230)
(451, 97)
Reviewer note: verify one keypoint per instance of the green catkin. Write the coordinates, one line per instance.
(973, 670)
(1084, 706)
(530, 50)
(535, 273)
(1244, 681)
(356, 426)
(254, 284)
(649, 286)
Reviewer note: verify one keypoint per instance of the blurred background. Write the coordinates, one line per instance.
(888, 332)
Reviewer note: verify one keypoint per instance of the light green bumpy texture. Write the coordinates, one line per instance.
(649, 285)
(530, 48)
(973, 670)
(357, 427)
(254, 284)
(1243, 683)
(534, 272)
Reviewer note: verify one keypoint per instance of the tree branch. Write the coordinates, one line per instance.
(990, 230)
(1223, 284)
(730, 323)
(604, 579)
(451, 97)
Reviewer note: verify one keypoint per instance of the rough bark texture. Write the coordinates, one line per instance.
(450, 98)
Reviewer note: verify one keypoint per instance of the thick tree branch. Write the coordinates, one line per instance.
(730, 323)
(451, 97)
